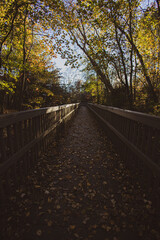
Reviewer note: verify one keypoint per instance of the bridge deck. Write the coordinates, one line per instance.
(82, 191)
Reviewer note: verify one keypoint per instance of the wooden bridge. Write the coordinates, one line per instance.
(79, 172)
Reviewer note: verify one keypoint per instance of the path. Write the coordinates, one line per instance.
(82, 192)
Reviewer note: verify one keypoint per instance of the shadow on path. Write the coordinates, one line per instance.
(82, 192)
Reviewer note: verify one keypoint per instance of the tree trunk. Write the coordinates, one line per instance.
(152, 93)
(23, 78)
(129, 96)
(131, 54)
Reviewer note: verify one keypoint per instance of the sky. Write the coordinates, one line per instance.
(69, 75)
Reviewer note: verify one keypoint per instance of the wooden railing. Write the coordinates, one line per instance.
(23, 136)
(137, 138)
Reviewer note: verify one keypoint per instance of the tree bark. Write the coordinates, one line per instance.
(145, 72)
(23, 78)
(125, 71)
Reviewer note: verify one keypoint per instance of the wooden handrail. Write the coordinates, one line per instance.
(11, 118)
(137, 138)
(24, 135)
(147, 119)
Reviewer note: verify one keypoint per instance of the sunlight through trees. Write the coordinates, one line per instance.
(118, 41)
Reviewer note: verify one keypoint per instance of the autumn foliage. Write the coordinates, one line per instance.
(117, 42)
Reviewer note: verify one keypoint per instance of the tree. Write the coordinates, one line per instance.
(25, 53)
(112, 35)
(90, 24)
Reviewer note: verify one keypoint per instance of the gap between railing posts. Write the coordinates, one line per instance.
(137, 139)
(23, 137)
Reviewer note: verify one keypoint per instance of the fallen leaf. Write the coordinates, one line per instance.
(72, 227)
(41, 213)
(107, 228)
(22, 195)
(49, 223)
(9, 219)
(76, 235)
(85, 220)
(39, 232)
(46, 192)
(58, 206)
(49, 199)
(27, 214)
(94, 226)
(68, 176)
(49, 211)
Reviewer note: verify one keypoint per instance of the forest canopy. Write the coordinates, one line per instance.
(117, 42)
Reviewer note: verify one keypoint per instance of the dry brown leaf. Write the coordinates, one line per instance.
(72, 227)
(49, 223)
(76, 235)
(49, 199)
(94, 226)
(49, 211)
(27, 214)
(68, 176)
(39, 232)
(9, 219)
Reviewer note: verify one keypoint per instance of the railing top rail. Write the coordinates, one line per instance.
(12, 118)
(146, 119)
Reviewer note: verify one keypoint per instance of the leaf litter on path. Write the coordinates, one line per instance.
(83, 192)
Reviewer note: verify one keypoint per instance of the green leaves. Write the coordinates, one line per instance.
(7, 87)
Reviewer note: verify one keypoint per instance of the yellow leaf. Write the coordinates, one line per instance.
(72, 227)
